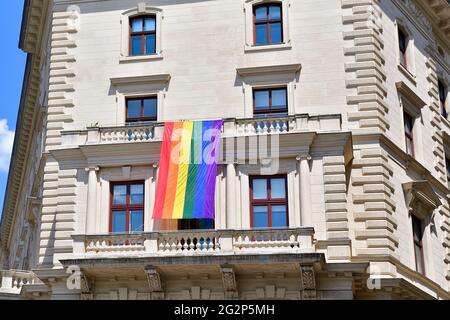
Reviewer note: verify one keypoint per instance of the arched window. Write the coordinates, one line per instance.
(143, 35)
(268, 24)
(403, 47)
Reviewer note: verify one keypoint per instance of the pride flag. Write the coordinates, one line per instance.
(188, 170)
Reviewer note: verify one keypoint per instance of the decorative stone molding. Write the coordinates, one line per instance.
(421, 200)
(335, 190)
(58, 213)
(62, 70)
(154, 282)
(257, 77)
(436, 121)
(366, 75)
(229, 282)
(444, 210)
(248, 12)
(141, 9)
(308, 282)
(374, 206)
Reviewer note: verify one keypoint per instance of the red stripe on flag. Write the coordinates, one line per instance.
(166, 150)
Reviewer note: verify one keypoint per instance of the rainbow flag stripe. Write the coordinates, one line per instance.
(187, 170)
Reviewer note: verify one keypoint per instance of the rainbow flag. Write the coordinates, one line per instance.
(187, 170)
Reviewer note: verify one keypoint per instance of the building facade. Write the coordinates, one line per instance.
(333, 180)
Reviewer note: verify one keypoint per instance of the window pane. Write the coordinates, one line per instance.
(260, 217)
(274, 12)
(150, 24)
(275, 33)
(120, 195)
(136, 45)
(119, 221)
(261, 13)
(261, 99)
(419, 261)
(279, 216)
(279, 99)
(136, 25)
(136, 221)
(260, 189)
(261, 34)
(136, 194)
(134, 109)
(278, 188)
(409, 149)
(150, 44)
(150, 107)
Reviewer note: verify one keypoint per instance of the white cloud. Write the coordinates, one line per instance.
(6, 144)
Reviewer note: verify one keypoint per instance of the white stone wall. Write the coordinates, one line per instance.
(348, 54)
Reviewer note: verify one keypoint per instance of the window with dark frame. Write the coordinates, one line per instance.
(443, 98)
(143, 35)
(127, 207)
(409, 133)
(272, 101)
(417, 226)
(268, 201)
(403, 46)
(141, 109)
(268, 24)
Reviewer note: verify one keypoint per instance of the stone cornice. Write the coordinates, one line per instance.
(429, 16)
(33, 21)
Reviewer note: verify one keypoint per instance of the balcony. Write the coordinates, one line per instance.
(232, 128)
(12, 281)
(195, 243)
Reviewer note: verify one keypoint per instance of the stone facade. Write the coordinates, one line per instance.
(353, 190)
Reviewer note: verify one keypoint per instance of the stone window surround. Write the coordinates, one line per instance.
(141, 9)
(421, 201)
(140, 86)
(248, 12)
(409, 71)
(269, 77)
(412, 104)
(442, 76)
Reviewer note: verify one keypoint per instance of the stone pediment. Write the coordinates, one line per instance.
(420, 198)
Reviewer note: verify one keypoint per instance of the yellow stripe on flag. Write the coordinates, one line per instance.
(183, 169)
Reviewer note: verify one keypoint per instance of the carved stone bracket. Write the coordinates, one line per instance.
(421, 200)
(229, 282)
(154, 282)
(308, 282)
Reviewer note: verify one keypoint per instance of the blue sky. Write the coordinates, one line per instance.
(12, 61)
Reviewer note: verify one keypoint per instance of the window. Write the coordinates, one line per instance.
(443, 98)
(409, 135)
(141, 109)
(143, 35)
(403, 47)
(417, 227)
(268, 196)
(196, 224)
(268, 24)
(270, 102)
(127, 207)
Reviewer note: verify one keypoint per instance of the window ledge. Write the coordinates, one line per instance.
(268, 47)
(125, 59)
(407, 74)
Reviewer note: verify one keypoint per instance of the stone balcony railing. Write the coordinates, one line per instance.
(12, 281)
(194, 243)
(231, 128)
